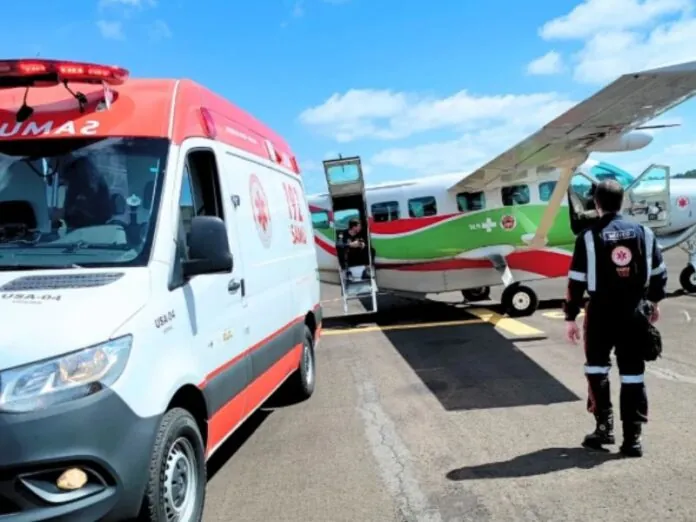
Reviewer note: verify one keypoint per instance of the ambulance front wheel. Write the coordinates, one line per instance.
(519, 300)
(177, 481)
(687, 279)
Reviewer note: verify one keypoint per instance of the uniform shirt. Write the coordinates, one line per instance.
(345, 237)
(618, 262)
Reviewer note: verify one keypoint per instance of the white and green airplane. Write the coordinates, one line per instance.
(514, 219)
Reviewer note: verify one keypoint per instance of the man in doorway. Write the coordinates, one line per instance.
(352, 247)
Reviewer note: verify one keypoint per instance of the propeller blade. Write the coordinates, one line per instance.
(663, 126)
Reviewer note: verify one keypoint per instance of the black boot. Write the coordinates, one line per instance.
(603, 433)
(632, 446)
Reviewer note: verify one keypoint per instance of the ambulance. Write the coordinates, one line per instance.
(158, 283)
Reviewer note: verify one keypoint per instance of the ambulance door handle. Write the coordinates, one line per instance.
(233, 286)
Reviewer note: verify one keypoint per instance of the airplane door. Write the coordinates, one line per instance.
(647, 199)
(344, 178)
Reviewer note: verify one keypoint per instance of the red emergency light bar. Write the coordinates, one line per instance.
(34, 72)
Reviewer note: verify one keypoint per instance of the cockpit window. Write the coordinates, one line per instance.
(78, 202)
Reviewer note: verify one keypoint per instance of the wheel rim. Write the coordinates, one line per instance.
(308, 364)
(692, 278)
(521, 301)
(180, 482)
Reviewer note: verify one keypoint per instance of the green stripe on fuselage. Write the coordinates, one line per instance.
(470, 231)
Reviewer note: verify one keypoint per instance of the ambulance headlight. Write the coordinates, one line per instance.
(53, 381)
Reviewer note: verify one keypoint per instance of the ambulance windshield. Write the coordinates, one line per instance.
(78, 202)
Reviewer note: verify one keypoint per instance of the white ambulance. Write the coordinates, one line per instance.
(158, 283)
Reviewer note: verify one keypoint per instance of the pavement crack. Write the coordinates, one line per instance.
(392, 456)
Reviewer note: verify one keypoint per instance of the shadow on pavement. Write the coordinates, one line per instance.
(466, 367)
(232, 445)
(280, 399)
(549, 460)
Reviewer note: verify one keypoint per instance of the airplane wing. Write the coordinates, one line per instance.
(622, 106)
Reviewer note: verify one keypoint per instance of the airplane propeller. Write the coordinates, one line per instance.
(663, 126)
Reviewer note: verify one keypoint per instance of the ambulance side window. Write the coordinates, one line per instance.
(200, 193)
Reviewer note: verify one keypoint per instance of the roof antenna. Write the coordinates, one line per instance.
(24, 112)
(81, 98)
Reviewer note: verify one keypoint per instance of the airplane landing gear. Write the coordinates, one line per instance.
(519, 300)
(482, 293)
(687, 279)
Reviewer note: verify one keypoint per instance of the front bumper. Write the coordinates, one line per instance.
(100, 435)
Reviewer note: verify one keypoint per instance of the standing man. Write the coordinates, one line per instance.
(620, 265)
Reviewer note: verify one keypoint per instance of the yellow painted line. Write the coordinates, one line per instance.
(409, 326)
(513, 326)
(557, 314)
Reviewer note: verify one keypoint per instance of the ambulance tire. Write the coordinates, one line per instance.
(687, 279)
(519, 300)
(301, 383)
(178, 456)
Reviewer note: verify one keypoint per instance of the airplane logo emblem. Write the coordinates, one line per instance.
(487, 225)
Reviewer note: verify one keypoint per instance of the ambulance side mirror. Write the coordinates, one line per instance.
(208, 247)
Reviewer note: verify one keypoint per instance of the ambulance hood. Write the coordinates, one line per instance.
(49, 313)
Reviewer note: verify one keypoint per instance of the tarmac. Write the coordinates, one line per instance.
(439, 411)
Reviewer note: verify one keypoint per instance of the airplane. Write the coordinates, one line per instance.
(502, 223)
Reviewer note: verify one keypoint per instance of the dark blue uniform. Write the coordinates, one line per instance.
(619, 263)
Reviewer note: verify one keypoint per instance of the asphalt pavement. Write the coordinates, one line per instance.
(439, 411)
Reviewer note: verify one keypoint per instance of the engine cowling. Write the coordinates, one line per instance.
(623, 143)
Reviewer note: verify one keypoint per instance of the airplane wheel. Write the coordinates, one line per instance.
(519, 301)
(687, 279)
(481, 293)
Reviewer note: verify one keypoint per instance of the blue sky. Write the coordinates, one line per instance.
(413, 89)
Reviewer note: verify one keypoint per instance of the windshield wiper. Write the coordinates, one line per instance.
(79, 245)
(20, 266)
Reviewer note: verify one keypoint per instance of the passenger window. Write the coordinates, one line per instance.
(515, 195)
(546, 189)
(385, 211)
(470, 201)
(422, 207)
(320, 219)
(343, 217)
(200, 193)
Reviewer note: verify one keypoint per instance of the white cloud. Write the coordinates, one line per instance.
(127, 3)
(111, 30)
(159, 30)
(550, 63)
(606, 56)
(619, 36)
(596, 16)
(466, 153)
(388, 115)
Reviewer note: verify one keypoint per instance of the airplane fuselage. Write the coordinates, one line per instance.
(429, 240)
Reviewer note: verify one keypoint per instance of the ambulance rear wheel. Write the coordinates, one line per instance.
(301, 384)
(481, 293)
(519, 301)
(687, 279)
